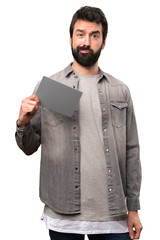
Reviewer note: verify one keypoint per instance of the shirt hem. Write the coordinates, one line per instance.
(65, 226)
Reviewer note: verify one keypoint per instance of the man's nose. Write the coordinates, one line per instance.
(87, 41)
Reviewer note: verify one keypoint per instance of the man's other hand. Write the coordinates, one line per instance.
(134, 225)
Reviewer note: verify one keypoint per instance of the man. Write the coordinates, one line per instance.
(90, 169)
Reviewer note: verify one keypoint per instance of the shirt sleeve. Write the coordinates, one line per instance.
(29, 138)
(133, 165)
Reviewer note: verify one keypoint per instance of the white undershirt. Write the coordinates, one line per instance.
(84, 227)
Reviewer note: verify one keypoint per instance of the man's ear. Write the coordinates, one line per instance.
(70, 40)
(104, 44)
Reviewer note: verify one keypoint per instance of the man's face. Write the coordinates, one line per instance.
(87, 42)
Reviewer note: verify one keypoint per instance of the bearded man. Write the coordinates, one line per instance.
(90, 172)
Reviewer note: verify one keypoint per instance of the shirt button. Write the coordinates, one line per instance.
(105, 130)
(110, 189)
(103, 109)
(109, 171)
(99, 90)
(107, 150)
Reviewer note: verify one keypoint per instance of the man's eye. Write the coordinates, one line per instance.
(80, 34)
(95, 36)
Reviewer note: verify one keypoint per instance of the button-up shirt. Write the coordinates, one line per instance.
(59, 138)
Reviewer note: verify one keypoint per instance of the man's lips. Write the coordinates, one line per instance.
(85, 51)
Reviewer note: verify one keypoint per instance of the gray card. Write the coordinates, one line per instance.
(57, 96)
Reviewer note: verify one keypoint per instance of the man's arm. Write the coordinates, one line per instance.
(133, 165)
(133, 173)
(28, 125)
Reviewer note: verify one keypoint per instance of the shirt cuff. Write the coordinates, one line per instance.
(133, 204)
(21, 131)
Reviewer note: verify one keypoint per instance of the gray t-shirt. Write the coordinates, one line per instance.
(94, 204)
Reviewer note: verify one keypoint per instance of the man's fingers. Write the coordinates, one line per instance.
(34, 98)
(138, 230)
(131, 232)
(30, 104)
(135, 234)
(29, 107)
(27, 102)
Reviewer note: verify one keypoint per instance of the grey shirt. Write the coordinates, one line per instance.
(59, 136)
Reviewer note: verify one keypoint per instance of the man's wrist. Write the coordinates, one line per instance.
(20, 124)
(133, 212)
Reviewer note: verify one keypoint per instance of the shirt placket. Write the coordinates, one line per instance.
(105, 129)
(76, 149)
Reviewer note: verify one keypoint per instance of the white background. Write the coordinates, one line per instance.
(34, 42)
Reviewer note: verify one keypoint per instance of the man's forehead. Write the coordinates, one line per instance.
(87, 26)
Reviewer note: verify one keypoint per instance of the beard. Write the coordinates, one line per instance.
(86, 59)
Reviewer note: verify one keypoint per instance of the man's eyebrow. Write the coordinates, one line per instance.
(94, 32)
(80, 30)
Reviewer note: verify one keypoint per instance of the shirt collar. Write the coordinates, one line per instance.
(69, 70)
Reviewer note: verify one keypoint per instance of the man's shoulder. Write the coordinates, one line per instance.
(60, 75)
(117, 89)
(113, 81)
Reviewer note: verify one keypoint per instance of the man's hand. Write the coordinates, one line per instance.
(134, 225)
(28, 109)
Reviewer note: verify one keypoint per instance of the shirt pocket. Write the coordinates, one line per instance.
(118, 113)
(51, 118)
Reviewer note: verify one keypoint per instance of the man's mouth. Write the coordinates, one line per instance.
(85, 51)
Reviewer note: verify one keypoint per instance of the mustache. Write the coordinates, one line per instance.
(84, 48)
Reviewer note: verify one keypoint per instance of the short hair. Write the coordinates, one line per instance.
(91, 14)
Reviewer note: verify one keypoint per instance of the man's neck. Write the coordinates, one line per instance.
(93, 70)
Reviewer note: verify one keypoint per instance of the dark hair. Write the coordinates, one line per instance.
(90, 14)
